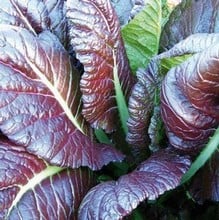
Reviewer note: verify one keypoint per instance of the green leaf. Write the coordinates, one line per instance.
(142, 34)
(205, 155)
(101, 136)
(168, 63)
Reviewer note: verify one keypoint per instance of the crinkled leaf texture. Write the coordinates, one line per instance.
(95, 36)
(190, 17)
(189, 96)
(140, 108)
(30, 189)
(123, 9)
(116, 199)
(205, 185)
(40, 101)
(35, 15)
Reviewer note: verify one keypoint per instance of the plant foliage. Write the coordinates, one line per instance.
(76, 90)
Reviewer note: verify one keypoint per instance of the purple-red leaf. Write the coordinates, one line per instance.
(188, 18)
(95, 36)
(140, 108)
(205, 185)
(189, 99)
(31, 14)
(40, 101)
(35, 15)
(58, 22)
(30, 189)
(16, 168)
(116, 199)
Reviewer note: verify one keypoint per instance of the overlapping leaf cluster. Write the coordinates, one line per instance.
(50, 108)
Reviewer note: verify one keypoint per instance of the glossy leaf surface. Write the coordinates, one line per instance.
(31, 14)
(30, 189)
(116, 199)
(95, 36)
(141, 105)
(189, 100)
(35, 15)
(190, 17)
(40, 101)
(58, 22)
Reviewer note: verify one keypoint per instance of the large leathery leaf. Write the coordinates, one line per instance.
(116, 199)
(95, 36)
(189, 100)
(40, 101)
(30, 189)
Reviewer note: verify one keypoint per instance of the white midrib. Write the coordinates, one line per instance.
(23, 17)
(37, 179)
(57, 96)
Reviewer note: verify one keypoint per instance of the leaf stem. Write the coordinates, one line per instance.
(120, 99)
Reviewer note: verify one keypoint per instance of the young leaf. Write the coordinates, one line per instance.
(30, 189)
(141, 103)
(117, 199)
(188, 18)
(142, 34)
(95, 35)
(40, 101)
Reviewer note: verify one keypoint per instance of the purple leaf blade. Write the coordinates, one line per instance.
(39, 91)
(117, 199)
(31, 14)
(57, 197)
(140, 108)
(95, 36)
(202, 190)
(188, 18)
(58, 22)
(31, 189)
(17, 167)
(35, 15)
(188, 100)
